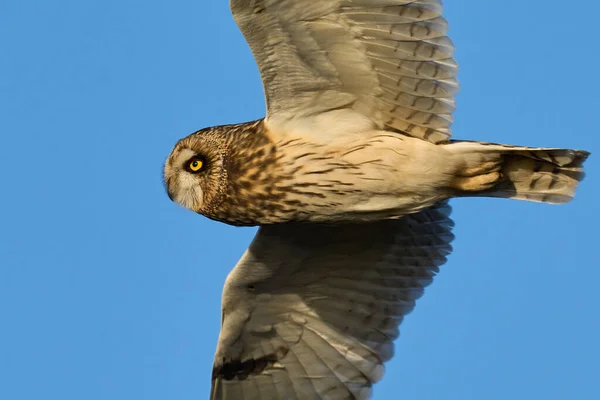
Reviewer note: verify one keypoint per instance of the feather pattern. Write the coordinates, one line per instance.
(311, 311)
(348, 177)
(363, 64)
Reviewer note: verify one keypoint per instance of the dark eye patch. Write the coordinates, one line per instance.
(195, 164)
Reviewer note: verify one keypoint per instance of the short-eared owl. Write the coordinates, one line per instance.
(348, 176)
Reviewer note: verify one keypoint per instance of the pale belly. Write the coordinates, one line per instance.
(372, 176)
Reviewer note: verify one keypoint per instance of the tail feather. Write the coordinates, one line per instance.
(536, 174)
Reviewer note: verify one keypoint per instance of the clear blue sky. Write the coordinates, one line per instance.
(110, 291)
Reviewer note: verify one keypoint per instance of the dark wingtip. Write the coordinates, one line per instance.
(582, 155)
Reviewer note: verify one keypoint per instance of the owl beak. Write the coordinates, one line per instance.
(170, 194)
(168, 189)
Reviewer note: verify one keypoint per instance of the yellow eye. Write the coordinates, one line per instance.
(195, 165)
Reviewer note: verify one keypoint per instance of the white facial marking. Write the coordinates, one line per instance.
(182, 157)
(189, 193)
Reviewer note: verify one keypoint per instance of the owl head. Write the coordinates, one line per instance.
(194, 172)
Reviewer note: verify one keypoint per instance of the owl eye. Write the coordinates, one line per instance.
(195, 164)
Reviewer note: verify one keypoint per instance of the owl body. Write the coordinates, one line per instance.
(373, 175)
(256, 177)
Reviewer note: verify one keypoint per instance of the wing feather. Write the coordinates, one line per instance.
(311, 311)
(385, 64)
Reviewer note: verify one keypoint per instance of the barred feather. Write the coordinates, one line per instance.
(311, 311)
(368, 64)
(545, 175)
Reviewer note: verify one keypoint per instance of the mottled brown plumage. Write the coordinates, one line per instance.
(348, 176)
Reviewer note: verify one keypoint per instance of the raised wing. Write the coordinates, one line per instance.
(343, 66)
(311, 311)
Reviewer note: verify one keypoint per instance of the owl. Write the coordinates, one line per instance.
(349, 177)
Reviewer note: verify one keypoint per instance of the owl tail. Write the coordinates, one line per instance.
(524, 173)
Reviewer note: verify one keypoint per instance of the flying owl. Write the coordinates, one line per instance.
(348, 177)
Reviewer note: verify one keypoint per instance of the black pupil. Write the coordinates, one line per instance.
(195, 164)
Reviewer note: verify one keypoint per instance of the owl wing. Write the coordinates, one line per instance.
(311, 311)
(343, 66)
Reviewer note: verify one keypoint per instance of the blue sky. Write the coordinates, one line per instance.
(109, 290)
